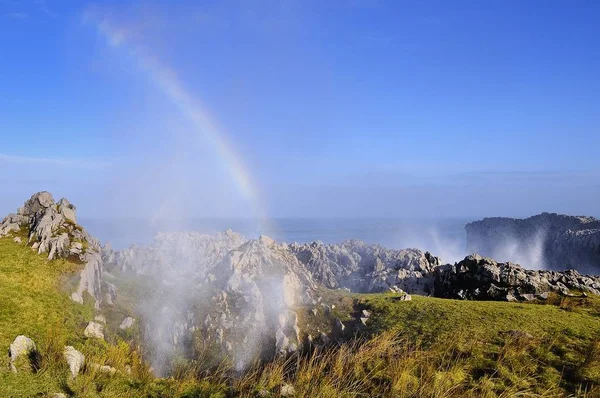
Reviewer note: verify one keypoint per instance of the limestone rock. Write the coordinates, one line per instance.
(95, 330)
(361, 267)
(287, 390)
(127, 323)
(545, 241)
(52, 228)
(482, 278)
(75, 360)
(22, 348)
(109, 370)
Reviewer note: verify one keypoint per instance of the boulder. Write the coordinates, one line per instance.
(127, 323)
(75, 360)
(24, 350)
(94, 330)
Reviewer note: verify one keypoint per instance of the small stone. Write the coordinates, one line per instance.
(287, 390)
(17, 240)
(104, 369)
(520, 334)
(314, 311)
(366, 314)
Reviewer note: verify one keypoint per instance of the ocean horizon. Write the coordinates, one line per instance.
(444, 237)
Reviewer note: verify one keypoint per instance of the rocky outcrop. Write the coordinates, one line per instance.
(482, 278)
(52, 228)
(237, 294)
(361, 267)
(550, 241)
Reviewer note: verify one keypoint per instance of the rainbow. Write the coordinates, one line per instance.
(167, 82)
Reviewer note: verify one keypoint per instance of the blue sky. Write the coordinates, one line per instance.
(324, 108)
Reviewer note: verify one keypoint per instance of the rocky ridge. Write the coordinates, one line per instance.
(51, 227)
(481, 278)
(242, 296)
(547, 240)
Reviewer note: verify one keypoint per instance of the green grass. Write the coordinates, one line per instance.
(426, 347)
(34, 302)
(554, 346)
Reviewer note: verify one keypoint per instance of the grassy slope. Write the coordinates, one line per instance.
(535, 348)
(427, 347)
(33, 303)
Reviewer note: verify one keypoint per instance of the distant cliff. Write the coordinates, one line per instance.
(547, 240)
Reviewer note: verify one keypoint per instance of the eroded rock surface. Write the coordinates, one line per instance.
(548, 241)
(482, 278)
(52, 228)
(361, 267)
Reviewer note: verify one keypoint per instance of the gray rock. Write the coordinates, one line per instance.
(94, 330)
(127, 323)
(17, 240)
(21, 347)
(360, 267)
(262, 393)
(109, 370)
(52, 228)
(324, 339)
(482, 278)
(545, 241)
(287, 390)
(75, 360)
(338, 327)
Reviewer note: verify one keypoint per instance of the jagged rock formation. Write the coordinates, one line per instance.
(361, 267)
(236, 293)
(240, 297)
(480, 278)
(550, 241)
(52, 228)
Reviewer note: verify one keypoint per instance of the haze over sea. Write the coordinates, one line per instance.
(444, 237)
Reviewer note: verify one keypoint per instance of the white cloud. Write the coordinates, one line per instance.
(82, 163)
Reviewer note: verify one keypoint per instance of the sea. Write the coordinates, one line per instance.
(443, 237)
